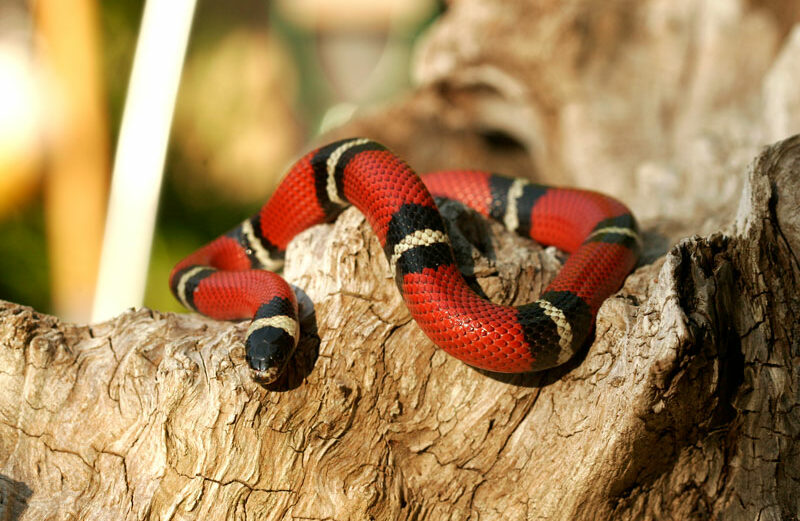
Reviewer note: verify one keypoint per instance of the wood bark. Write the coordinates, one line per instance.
(685, 406)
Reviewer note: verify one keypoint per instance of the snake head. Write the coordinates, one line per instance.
(268, 349)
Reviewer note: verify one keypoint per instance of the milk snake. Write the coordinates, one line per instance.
(228, 278)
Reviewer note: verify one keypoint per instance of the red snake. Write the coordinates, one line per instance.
(228, 278)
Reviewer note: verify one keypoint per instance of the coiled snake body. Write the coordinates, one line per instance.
(228, 278)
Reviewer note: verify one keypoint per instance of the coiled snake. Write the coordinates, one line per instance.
(228, 278)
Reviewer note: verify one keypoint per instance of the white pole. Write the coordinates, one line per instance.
(139, 161)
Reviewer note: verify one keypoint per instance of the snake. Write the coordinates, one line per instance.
(233, 276)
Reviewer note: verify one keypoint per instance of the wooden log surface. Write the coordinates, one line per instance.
(685, 405)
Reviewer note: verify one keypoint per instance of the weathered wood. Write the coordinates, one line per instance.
(685, 406)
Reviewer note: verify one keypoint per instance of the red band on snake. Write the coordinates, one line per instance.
(227, 278)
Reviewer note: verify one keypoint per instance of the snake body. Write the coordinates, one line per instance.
(229, 278)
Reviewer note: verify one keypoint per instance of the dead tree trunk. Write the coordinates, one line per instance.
(686, 405)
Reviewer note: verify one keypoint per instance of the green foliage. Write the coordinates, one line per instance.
(23, 259)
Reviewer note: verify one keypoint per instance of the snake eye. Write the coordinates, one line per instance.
(268, 349)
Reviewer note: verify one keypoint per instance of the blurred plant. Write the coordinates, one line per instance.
(234, 123)
(351, 54)
(20, 126)
(23, 261)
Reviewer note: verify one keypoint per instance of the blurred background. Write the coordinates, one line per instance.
(260, 81)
